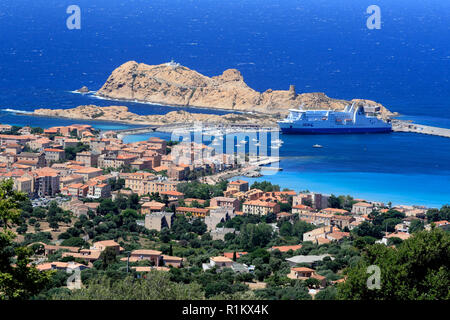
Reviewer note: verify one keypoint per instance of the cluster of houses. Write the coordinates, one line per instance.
(88, 256)
(38, 165)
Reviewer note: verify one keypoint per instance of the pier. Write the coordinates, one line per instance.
(153, 128)
(404, 126)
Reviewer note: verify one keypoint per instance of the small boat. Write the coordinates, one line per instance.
(257, 144)
(317, 146)
(238, 145)
(275, 147)
(243, 141)
(254, 139)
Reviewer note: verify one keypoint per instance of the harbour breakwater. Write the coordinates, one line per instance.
(405, 126)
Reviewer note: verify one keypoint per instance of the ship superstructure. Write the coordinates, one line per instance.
(351, 120)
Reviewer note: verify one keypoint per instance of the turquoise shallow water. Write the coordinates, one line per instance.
(398, 188)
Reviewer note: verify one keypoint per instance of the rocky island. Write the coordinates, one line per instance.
(175, 85)
(121, 114)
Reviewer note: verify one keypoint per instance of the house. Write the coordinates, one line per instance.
(51, 249)
(177, 172)
(11, 138)
(217, 216)
(76, 189)
(260, 208)
(401, 235)
(157, 144)
(172, 195)
(309, 259)
(13, 148)
(152, 206)
(159, 220)
(301, 208)
(337, 235)
(103, 245)
(334, 211)
(70, 179)
(230, 255)
(5, 127)
(64, 266)
(283, 215)
(154, 256)
(79, 208)
(24, 184)
(89, 172)
(342, 221)
(175, 262)
(46, 182)
(37, 158)
(139, 182)
(443, 224)
(238, 185)
(87, 255)
(218, 262)
(362, 208)
(88, 158)
(253, 194)
(54, 155)
(286, 248)
(148, 269)
(317, 233)
(302, 273)
(99, 190)
(315, 200)
(225, 202)
(39, 144)
(195, 212)
(402, 227)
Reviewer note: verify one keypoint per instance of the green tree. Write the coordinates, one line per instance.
(329, 293)
(416, 225)
(417, 269)
(155, 286)
(253, 236)
(20, 281)
(107, 258)
(71, 152)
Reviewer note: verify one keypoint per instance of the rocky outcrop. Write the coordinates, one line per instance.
(83, 89)
(121, 114)
(173, 84)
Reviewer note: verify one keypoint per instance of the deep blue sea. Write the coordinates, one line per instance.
(318, 45)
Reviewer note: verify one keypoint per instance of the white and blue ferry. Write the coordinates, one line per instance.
(351, 120)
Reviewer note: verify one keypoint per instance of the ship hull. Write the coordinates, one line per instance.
(297, 130)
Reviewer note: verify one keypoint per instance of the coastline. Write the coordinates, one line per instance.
(74, 118)
(162, 104)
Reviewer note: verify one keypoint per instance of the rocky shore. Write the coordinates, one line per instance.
(175, 85)
(121, 114)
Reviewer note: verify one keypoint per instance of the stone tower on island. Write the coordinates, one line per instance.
(292, 93)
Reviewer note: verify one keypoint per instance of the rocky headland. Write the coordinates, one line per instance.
(176, 85)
